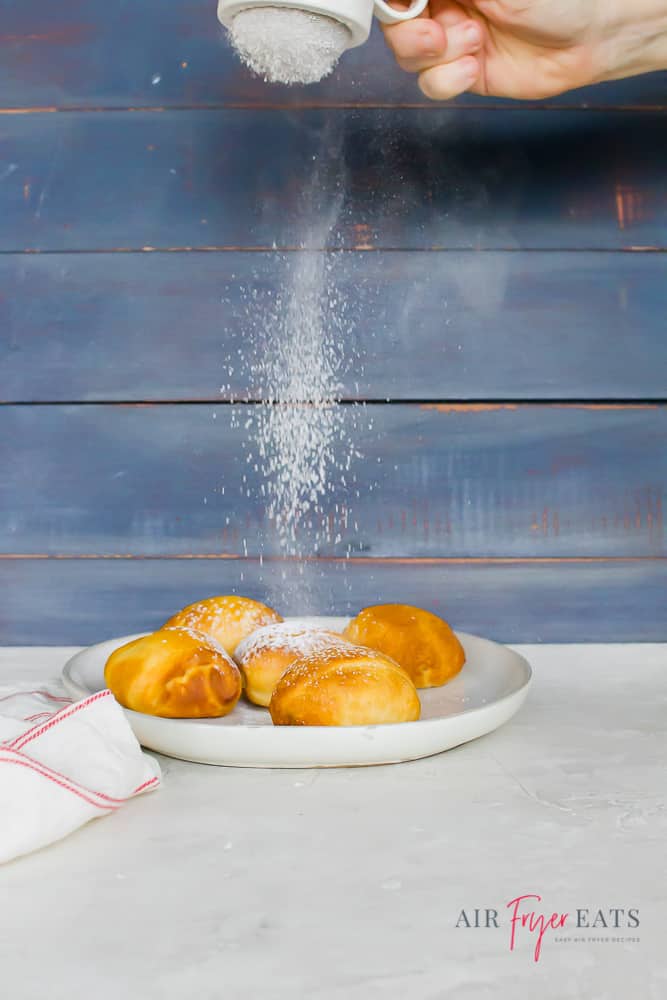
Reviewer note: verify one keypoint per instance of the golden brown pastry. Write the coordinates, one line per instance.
(344, 686)
(420, 641)
(227, 619)
(267, 653)
(175, 673)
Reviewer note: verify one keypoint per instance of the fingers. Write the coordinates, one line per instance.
(416, 44)
(442, 49)
(463, 39)
(421, 44)
(447, 80)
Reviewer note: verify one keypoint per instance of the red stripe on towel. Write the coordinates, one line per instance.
(44, 694)
(147, 784)
(33, 766)
(115, 802)
(60, 716)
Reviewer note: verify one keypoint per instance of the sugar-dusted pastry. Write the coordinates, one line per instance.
(267, 653)
(176, 673)
(420, 641)
(227, 619)
(345, 685)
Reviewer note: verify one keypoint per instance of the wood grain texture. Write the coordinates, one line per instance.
(437, 325)
(441, 483)
(452, 480)
(83, 601)
(155, 53)
(413, 180)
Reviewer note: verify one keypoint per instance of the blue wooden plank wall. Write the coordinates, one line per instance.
(504, 268)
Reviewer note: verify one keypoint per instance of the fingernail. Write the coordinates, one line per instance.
(471, 33)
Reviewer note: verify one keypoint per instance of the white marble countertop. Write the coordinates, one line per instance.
(348, 884)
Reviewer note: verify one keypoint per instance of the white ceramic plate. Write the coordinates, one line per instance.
(488, 691)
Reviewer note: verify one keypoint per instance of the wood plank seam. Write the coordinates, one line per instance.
(442, 406)
(282, 249)
(331, 106)
(340, 560)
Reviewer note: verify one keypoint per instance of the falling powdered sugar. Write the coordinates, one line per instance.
(300, 425)
(301, 442)
(301, 438)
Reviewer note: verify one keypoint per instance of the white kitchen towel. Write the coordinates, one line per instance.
(63, 764)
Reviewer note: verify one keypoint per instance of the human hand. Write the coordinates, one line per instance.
(528, 49)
